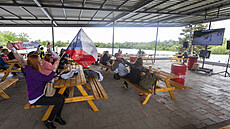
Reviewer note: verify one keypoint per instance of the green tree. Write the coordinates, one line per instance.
(186, 32)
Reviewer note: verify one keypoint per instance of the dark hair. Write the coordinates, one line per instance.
(139, 62)
(41, 48)
(4, 50)
(32, 53)
(47, 57)
(1, 46)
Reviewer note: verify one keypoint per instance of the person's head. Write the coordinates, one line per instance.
(117, 55)
(139, 49)
(31, 53)
(139, 62)
(41, 48)
(1, 47)
(48, 57)
(62, 50)
(107, 53)
(5, 51)
(34, 62)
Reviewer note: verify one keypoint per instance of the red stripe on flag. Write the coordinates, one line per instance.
(81, 57)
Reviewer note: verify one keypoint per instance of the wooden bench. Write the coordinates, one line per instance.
(148, 93)
(225, 127)
(5, 84)
(98, 90)
(107, 67)
(28, 106)
(177, 85)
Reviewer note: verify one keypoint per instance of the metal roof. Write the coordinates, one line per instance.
(102, 13)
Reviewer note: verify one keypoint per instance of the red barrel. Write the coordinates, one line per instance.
(133, 59)
(180, 70)
(191, 62)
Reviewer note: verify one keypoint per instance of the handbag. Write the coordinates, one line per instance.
(49, 89)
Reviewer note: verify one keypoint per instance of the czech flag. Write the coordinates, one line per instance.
(82, 49)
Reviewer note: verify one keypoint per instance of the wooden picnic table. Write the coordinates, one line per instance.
(78, 81)
(170, 85)
(177, 57)
(12, 63)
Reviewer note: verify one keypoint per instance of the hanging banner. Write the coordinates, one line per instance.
(25, 45)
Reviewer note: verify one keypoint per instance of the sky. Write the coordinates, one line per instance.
(104, 35)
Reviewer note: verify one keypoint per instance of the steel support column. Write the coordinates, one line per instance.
(113, 41)
(190, 35)
(156, 42)
(206, 46)
(52, 34)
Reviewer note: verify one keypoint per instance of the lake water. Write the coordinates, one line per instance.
(213, 57)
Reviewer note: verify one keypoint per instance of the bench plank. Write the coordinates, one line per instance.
(5, 84)
(177, 85)
(28, 106)
(105, 96)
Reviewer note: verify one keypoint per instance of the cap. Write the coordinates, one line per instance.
(116, 54)
(33, 52)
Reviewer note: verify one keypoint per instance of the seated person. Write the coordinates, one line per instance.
(36, 82)
(136, 69)
(105, 58)
(11, 57)
(120, 52)
(47, 66)
(179, 53)
(120, 65)
(5, 56)
(64, 60)
(140, 52)
(42, 54)
(5, 66)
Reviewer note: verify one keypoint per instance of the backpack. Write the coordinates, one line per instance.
(148, 80)
(116, 76)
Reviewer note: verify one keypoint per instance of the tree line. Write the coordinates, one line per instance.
(166, 45)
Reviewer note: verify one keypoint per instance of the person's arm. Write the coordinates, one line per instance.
(115, 66)
(4, 58)
(38, 49)
(49, 66)
(16, 55)
(42, 77)
(126, 62)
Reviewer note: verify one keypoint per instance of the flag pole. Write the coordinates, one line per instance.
(156, 42)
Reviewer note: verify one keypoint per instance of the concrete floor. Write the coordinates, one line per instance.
(204, 105)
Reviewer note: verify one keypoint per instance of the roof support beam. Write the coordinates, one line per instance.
(116, 9)
(149, 9)
(198, 11)
(135, 9)
(7, 19)
(97, 10)
(44, 11)
(83, 4)
(10, 12)
(62, 2)
(24, 9)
